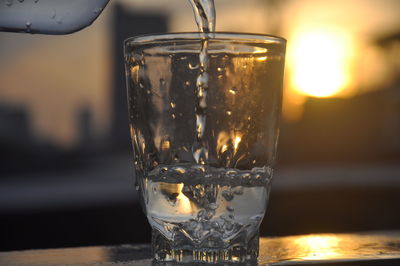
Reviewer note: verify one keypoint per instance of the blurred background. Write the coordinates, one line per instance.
(66, 176)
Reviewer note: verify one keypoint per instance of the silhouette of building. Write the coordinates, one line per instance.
(127, 24)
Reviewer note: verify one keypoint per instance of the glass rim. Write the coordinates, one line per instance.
(158, 38)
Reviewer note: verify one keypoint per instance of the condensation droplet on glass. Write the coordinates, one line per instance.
(193, 66)
(28, 26)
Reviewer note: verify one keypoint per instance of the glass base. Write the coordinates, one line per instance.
(240, 250)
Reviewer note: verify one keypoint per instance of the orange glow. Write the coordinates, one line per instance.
(320, 59)
(318, 247)
(183, 201)
(236, 142)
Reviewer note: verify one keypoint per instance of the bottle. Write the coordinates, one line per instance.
(49, 16)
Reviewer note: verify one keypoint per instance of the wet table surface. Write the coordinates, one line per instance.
(369, 248)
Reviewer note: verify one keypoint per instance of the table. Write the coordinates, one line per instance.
(365, 248)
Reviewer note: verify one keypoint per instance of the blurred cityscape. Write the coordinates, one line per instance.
(65, 158)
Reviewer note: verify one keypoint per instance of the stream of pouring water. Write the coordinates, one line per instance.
(204, 11)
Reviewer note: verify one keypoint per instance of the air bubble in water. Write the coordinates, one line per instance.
(228, 196)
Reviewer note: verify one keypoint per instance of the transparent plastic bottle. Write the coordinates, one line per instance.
(48, 16)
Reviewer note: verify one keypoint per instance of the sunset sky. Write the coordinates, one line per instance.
(330, 53)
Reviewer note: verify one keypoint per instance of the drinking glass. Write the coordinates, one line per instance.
(204, 120)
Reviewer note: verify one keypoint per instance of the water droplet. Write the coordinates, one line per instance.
(148, 91)
(199, 168)
(179, 170)
(59, 20)
(219, 69)
(173, 105)
(53, 14)
(192, 66)
(246, 175)
(141, 85)
(231, 172)
(164, 169)
(233, 90)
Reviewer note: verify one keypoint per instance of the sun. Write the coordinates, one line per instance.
(319, 62)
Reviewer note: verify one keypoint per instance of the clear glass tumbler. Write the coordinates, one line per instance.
(204, 120)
